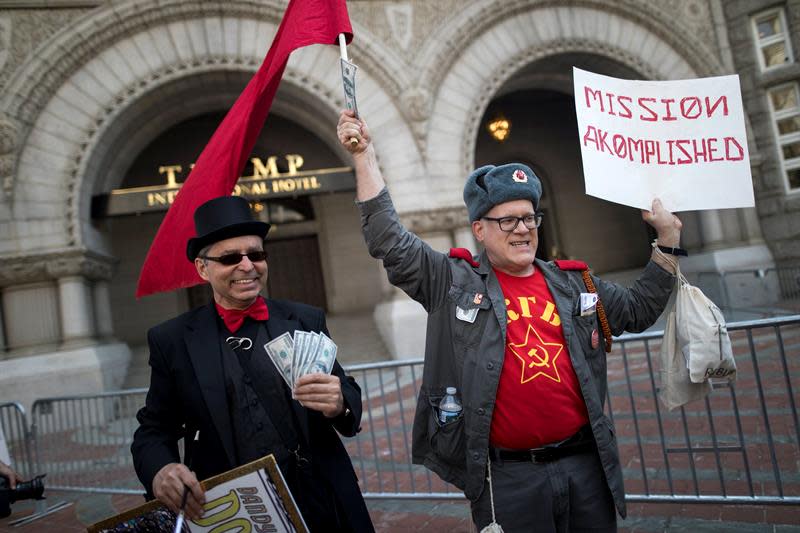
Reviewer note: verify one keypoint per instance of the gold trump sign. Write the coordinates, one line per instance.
(266, 182)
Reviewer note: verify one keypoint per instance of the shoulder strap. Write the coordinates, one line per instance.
(568, 264)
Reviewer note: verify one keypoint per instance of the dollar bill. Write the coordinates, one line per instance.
(327, 354)
(349, 84)
(281, 352)
(299, 342)
(312, 354)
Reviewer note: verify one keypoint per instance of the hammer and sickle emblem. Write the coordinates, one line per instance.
(537, 359)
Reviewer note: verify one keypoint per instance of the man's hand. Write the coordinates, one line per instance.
(7, 471)
(369, 179)
(667, 226)
(321, 392)
(168, 486)
(668, 229)
(350, 127)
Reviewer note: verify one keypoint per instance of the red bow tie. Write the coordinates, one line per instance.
(234, 318)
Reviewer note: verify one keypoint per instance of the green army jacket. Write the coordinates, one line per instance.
(470, 356)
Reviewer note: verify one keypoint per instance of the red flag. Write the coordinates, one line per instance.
(221, 163)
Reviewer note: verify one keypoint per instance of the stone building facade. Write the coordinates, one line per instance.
(102, 96)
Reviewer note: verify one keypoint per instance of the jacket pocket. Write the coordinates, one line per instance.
(595, 356)
(447, 441)
(584, 326)
(470, 311)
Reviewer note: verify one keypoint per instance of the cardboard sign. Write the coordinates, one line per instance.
(253, 497)
(681, 141)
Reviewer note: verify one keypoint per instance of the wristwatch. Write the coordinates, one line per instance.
(673, 251)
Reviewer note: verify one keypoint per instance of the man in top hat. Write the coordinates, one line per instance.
(213, 384)
(524, 342)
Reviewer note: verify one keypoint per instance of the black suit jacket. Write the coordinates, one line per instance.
(187, 394)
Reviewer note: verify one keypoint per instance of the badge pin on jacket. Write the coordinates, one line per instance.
(588, 303)
(467, 315)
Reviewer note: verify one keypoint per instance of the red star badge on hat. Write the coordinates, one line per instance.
(519, 176)
(538, 358)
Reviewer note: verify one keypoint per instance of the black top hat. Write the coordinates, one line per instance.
(220, 219)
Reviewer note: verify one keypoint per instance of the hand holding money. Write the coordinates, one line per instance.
(352, 127)
(321, 392)
(304, 353)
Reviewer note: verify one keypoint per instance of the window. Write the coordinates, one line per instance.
(772, 39)
(784, 102)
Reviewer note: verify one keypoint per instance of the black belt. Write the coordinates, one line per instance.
(581, 442)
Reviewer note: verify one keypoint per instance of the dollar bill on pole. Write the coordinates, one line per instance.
(349, 84)
(348, 81)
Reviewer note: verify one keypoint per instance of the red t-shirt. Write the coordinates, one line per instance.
(539, 399)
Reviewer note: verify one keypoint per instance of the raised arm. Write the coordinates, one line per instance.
(410, 263)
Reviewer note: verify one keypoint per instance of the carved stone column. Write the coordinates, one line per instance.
(47, 299)
(102, 309)
(463, 238)
(75, 272)
(30, 313)
(77, 316)
(711, 229)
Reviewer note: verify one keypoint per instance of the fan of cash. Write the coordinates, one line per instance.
(305, 353)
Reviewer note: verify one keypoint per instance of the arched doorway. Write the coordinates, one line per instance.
(537, 101)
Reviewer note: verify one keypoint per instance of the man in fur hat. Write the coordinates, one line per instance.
(210, 373)
(523, 341)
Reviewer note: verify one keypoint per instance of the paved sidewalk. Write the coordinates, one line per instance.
(443, 517)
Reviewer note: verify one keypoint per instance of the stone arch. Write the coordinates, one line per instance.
(438, 56)
(527, 33)
(116, 60)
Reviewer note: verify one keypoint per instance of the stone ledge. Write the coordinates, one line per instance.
(86, 370)
(31, 268)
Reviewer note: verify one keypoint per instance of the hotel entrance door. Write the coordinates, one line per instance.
(295, 271)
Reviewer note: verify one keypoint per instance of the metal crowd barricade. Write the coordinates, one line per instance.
(739, 446)
(381, 452)
(83, 442)
(14, 424)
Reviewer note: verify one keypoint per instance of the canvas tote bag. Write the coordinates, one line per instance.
(676, 387)
(702, 334)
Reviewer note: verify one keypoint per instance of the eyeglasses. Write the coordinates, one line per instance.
(236, 258)
(509, 224)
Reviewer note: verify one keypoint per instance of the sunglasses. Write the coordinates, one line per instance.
(236, 258)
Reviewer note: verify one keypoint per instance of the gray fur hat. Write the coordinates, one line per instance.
(490, 185)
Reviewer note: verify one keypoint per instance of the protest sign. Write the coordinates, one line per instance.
(682, 141)
(253, 497)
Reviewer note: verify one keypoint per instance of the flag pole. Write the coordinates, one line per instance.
(343, 54)
(343, 46)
